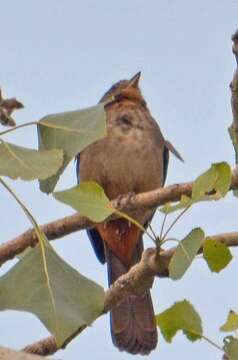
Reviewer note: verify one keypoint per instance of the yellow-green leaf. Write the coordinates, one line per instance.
(231, 323)
(180, 316)
(28, 164)
(64, 301)
(216, 254)
(213, 184)
(88, 198)
(72, 132)
(185, 201)
(185, 253)
(231, 347)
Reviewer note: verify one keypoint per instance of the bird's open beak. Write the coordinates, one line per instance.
(134, 81)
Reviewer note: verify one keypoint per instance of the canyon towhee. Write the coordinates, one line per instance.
(133, 157)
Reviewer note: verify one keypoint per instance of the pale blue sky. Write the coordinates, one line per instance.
(63, 55)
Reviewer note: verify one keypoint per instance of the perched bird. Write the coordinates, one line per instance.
(133, 157)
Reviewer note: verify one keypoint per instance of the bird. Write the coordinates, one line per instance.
(132, 158)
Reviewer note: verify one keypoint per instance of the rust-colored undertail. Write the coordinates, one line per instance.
(133, 326)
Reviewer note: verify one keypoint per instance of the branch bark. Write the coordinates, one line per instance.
(126, 203)
(233, 129)
(8, 354)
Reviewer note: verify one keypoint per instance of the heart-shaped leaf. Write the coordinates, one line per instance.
(231, 323)
(183, 203)
(231, 347)
(42, 283)
(63, 299)
(216, 254)
(180, 316)
(72, 132)
(28, 164)
(88, 198)
(213, 184)
(185, 253)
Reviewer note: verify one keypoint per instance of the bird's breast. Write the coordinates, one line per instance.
(130, 157)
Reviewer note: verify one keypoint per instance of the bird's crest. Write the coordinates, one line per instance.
(125, 89)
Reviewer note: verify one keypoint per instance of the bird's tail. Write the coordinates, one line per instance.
(133, 326)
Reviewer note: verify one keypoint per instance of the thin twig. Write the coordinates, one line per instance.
(175, 221)
(18, 127)
(162, 227)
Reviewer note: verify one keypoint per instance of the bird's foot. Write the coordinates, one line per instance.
(124, 200)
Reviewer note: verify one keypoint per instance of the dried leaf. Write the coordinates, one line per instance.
(7, 106)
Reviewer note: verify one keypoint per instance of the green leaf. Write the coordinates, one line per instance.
(88, 198)
(184, 202)
(180, 316)
(64, 301)
(185, 253)
(231, 323)
(213, 184)
(28, 164)
(216, 254)
(231, 347)
(72, 132)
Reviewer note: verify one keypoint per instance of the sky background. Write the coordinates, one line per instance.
(63, 55)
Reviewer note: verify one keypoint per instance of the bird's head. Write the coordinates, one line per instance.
(125, 89)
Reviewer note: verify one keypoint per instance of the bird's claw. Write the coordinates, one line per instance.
(124, 199)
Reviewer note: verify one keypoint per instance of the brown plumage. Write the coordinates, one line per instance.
(132, 157)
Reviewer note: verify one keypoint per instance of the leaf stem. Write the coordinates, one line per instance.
(151, 229)
(127, 217)
(18, 127)
(26, 211)
(163, 224)
(170, 239)
(204, 337)
(213, 343)
(175, 221)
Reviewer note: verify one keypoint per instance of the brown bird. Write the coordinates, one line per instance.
(133, 157)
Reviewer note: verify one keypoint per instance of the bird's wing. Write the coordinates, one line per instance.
(174, 151)
(94, 237)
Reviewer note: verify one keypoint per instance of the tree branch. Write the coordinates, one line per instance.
(8, 354)
(126, 203)
(233, 129)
